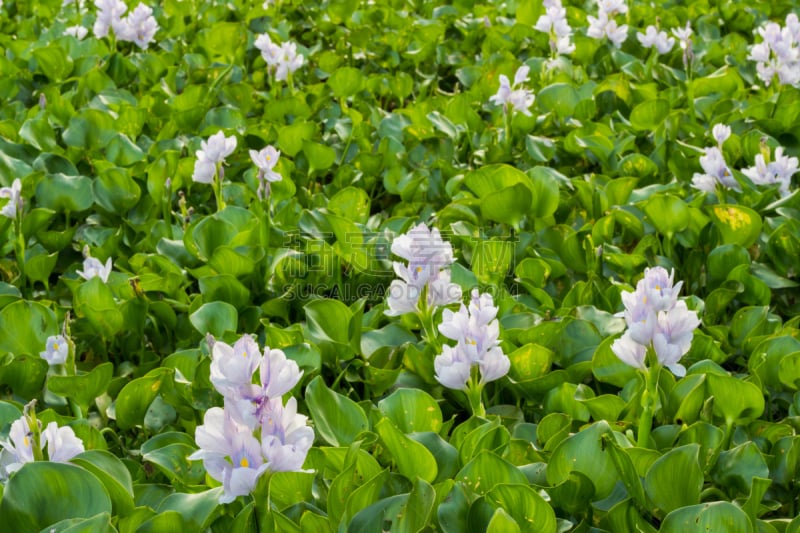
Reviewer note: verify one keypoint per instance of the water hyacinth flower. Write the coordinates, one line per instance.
(716, 171)
(554, 23)
(656, 320)
(721, 133)
(266, 159)
(519, 99)
(684, 36)
(56, 350)
(604, 24)
(14, 195)
(652, 38)
(255, 432)
(212, 153)
(778, 54)
(283, 59)
(779, 171)
(109, 16)
(61, 442)
(77, 31)
(138, 27)
(428, 256)
(92, 267)
(476, 332)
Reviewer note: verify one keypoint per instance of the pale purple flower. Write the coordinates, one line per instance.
(271, 52)
(92, 267)
(56, 350)
(139, 27)
(519, 99)
(18, 449)
(779, 171)
(265, 160)
(289, 62)
(14, 195)
(716, 171)
(652, 38)
(684, 35)
(285, 437)
(605, 26)
(427, 255)
(778, 54)
(452, 368)
(629, 351)
(657, 319)
(211, 154)
(109, 16)
(721, 133)
(230, 453)
(232, 367)
(476, 330)
(62, 443)
(77, 31)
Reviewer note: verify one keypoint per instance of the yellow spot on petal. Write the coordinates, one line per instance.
(419, 269)
(56, 347)
(26, 441)
(658, 287)
(244, 463)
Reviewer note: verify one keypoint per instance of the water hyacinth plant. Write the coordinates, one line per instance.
(399, 266)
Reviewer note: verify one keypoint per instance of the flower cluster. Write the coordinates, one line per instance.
(780, 170)
(266, 159)
(779, 53)
(605, 25)
(14, 195)
(520, 99)
(77, 31)
(255, 432)
(660, 40)
(554, 23)
(656, 320)
(211, 156)
(476, 332)
(281, 59)
(428, 257)
(139, 26)
(61, 442)
(715, 168)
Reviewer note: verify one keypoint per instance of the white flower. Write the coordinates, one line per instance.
(14, 195)
(232, 367)
(605, 26)
(18, 449)
(715, 171)
(289, 61)
(520, 99)
(78, 31)
(92, 267)
(652, 38)
(452, 368)
(109, 16)
(684, 35)
(212, 153)
(62, 443)
(139, 26)
(265, 160)
(285, 437)
(56, 350)
(779, 171)
(270, 51)
(554, 23)
(721, 133)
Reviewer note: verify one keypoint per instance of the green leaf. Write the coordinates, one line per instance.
(648, 115)
(43, 493)
(116, 191)
(412, 410)
(706, 517)
(491, 260)
(83, 388)
(53, 62)
(215, 318)
(584, 452)
(114, 476)
(668, 214)
(61, 193)
(675, 479)
(561, 98)
(25, 327)
(735, 400)
(412, 458)
(95, 302)
(507, 205)
(525, 506)
(198, 510)
(135, 398)
(345, 81)
(338, 419)
(737, 224)
(486, 471)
